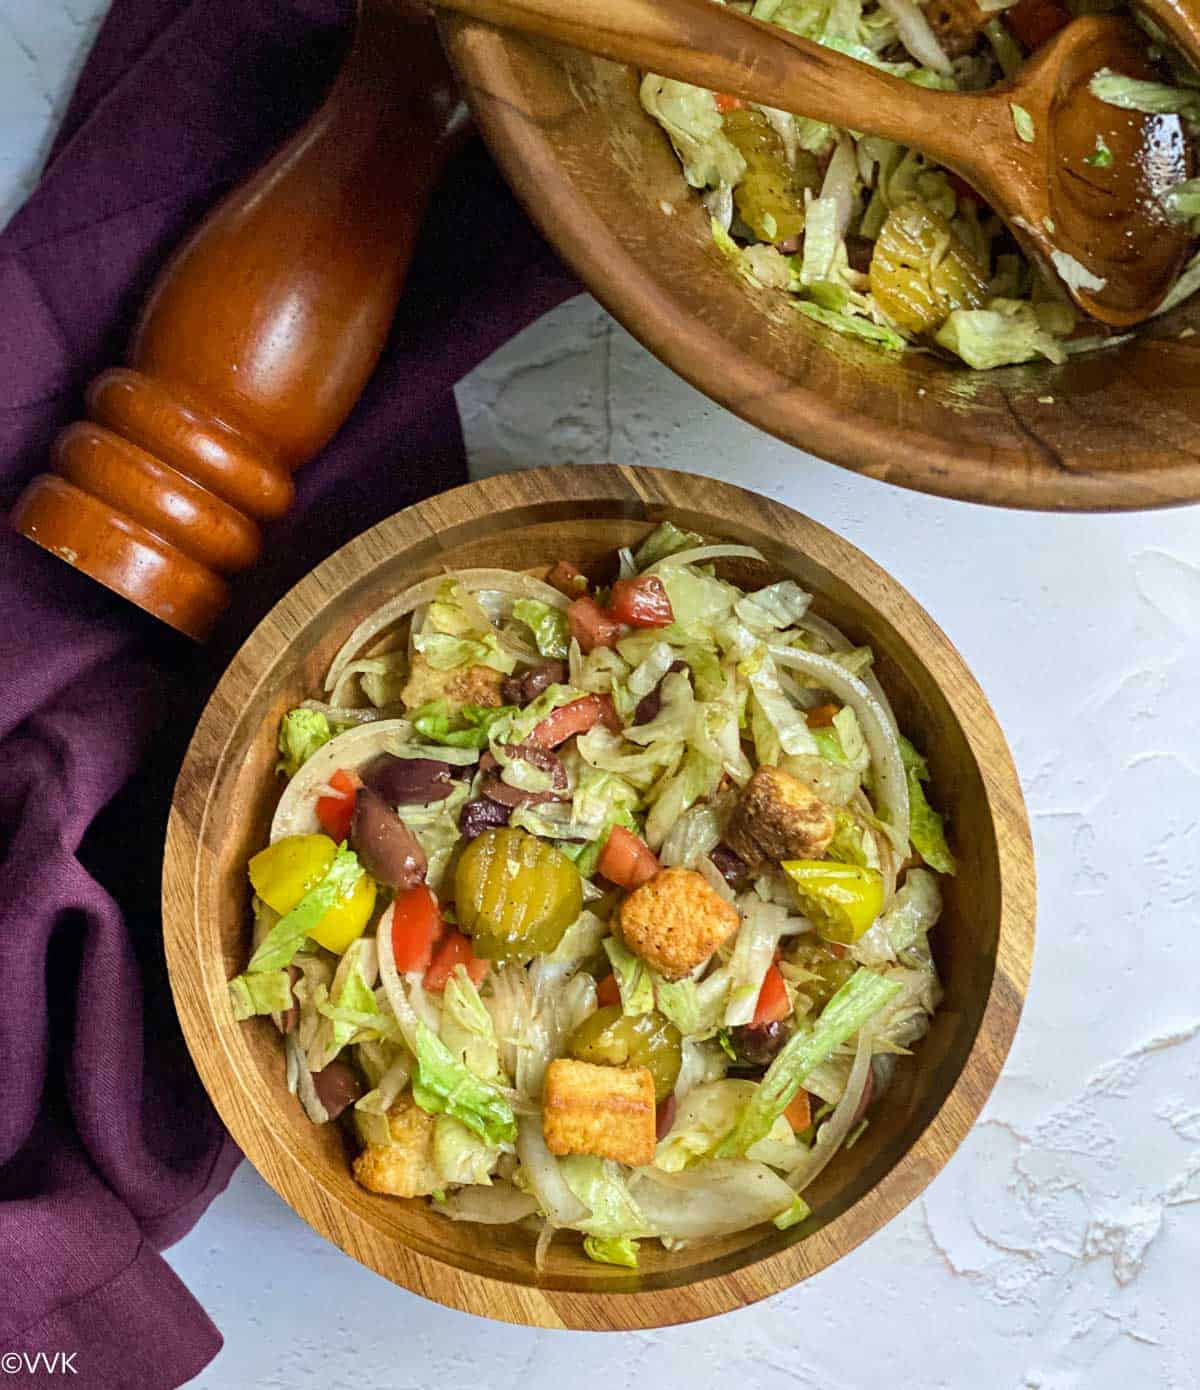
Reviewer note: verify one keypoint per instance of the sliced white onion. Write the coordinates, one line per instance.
(300, 1081)
(914, 32)
(701, 554)
(554, 1196)
(890, 779)
(838, 640)
(296, 813)
(497, 1205)
(472, 580)
(833, 1133)
(346, 714)
(715, 1198)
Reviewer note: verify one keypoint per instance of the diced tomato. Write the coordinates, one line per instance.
(576, 718)
(608, 992)
(821, 717)
(773, 1003)
(336, 812)
(626, 860)
(416, 928)
(1035, 22)
(641, 602)
(726, 103)
(454, 949)
(591, 626)
(567, 579)
(799, 1111)
(836, 950)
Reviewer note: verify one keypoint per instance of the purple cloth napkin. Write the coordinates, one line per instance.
(109, 1150)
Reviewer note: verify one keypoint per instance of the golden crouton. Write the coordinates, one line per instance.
(676, 921)
(463, 685)
(403, 1168)
(606, 1111)
(778, 817)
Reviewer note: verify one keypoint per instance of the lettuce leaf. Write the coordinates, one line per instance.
(549, 626)
(599, 1185)
(1006, 331)
(852, 326)
(859, 999)
(445, 653)
(443, 1086)
(433, 721)
(613, 1251)
(301, 733)
(927, 829)
(666, 539)
(467, 1028)
(266, 992)
(693, 124)
(460, 1155)
(633, 977)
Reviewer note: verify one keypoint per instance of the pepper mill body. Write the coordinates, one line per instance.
(256, 341)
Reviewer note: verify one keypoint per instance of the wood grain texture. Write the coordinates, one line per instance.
(1111, 221)
(1118, 429)
(227, 791)
(256, 341)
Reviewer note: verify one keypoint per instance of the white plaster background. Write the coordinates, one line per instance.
(1060, 1249)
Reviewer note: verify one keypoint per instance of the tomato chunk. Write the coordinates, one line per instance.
(1035, 22)
(608, 992)
(799, 1111)
(726, 103)
(576, 718)
(641, 602)
(336, 812)
(416, 928)
(773, 1003)
(567, 579)
(627, 860)
(454, 949)
(591, 626)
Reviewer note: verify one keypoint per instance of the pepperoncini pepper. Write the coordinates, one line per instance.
(284, 872)
(841, 900)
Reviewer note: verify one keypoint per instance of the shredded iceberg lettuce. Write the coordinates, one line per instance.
(301, 733)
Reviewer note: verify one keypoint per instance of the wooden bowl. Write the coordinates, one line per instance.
(226, 793)
(1111, 430)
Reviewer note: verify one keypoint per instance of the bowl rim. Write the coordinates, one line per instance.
(645, 493)
(1033, 476)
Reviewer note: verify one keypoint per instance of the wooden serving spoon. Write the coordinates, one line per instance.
(1180, 20)
(1069, 215)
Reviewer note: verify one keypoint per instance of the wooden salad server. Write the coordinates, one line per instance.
(1102, 230)
(256, 340)
(1180, 21)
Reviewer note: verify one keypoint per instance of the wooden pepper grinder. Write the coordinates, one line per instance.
(256, 341)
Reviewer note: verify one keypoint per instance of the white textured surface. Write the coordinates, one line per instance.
(1059, 1250)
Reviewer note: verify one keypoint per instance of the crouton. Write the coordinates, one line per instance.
(957, 24)
(676, 921)
(403, 1168)
(778, 817)
(606, 1111)
(463, 685)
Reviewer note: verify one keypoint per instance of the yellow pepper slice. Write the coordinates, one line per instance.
(282, 873)
(841, 900)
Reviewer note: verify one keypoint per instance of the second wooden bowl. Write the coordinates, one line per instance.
(1109, 430)
(227, 791)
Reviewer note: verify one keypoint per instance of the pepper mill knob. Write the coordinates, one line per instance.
(256, 341)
